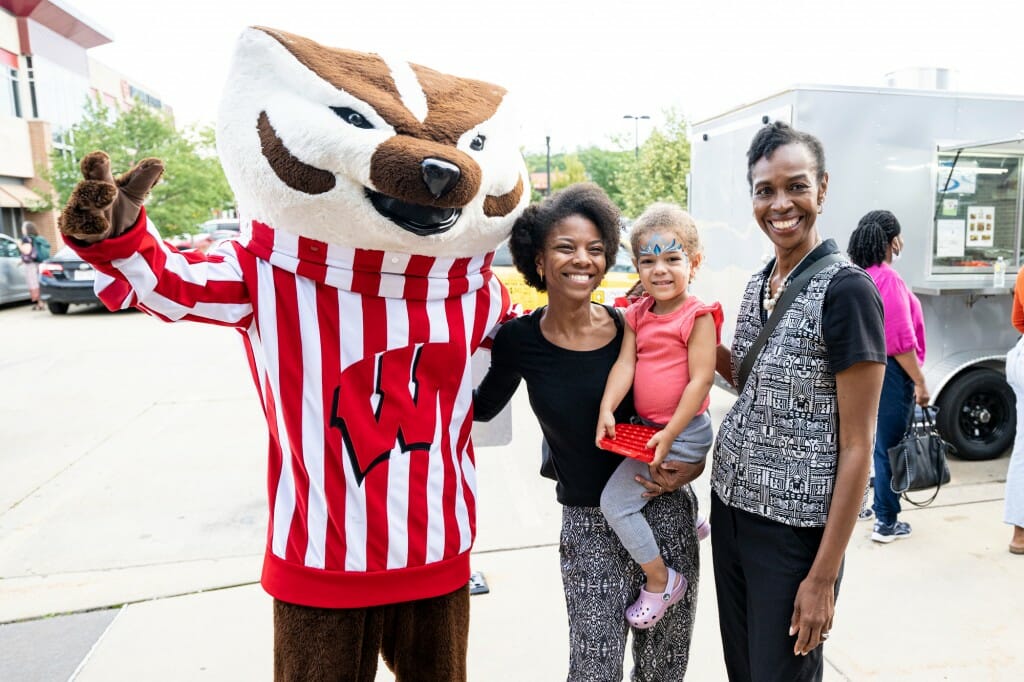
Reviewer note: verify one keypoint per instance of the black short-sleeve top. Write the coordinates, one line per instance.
(565, 389)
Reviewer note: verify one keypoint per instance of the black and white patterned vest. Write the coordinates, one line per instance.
(777, 448)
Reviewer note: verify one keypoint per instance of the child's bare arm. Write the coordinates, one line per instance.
(620, 380)
(723, 363)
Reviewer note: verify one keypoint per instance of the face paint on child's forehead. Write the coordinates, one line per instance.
(658, 245)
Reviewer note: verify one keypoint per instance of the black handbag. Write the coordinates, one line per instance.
(918, 461)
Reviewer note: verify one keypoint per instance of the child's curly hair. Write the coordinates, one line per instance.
(666, 217)
(531, 229)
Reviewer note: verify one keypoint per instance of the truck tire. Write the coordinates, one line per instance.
(57, 308)
(978, 415)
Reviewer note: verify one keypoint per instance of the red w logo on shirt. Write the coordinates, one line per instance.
(391, 399)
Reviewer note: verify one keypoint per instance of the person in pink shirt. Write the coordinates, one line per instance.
(874, 245)
(668, 358)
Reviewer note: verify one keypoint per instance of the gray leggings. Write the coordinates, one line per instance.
(621, 500)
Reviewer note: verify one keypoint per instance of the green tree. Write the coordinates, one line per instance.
(193, 184)
(592, 163)
(660, 172)
(574, 172)
(603, 166)
(538, 163)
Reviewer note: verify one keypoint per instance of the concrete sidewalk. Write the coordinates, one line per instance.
(145, 486)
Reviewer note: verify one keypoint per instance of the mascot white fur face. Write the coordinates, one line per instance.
(350, 149)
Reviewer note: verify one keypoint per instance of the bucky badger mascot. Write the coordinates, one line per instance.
(372, 194)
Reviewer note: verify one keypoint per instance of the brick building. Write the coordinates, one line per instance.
(46, 77)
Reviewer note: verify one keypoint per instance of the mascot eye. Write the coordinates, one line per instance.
(478, 143)
(352, 117)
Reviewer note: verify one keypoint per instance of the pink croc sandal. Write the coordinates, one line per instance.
(703, 528)
(648, 609)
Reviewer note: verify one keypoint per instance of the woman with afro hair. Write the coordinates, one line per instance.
(564, 351)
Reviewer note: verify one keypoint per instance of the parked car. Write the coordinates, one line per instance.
(65, 279)
(221, 228)
(210, 232)
(619, 279)
(12, 277)
(190, 242)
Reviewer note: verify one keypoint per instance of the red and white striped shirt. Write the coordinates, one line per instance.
(361, 360)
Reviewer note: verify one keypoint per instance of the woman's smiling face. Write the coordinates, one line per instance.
(573, 258)
(787, 197)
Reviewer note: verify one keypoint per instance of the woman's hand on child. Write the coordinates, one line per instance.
(669, 477)
(605, 426)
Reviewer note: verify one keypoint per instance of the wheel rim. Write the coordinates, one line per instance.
(982, 417)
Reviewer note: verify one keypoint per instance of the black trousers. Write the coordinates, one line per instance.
(759, 565)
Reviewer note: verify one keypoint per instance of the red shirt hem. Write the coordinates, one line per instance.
(352, 590)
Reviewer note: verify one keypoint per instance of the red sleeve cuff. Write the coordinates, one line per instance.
(114, 248)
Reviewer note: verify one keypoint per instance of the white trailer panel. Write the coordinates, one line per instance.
(883, 150)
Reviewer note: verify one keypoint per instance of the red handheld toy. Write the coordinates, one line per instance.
(631, 441)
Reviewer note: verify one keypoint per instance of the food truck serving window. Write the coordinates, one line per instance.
(977, 211)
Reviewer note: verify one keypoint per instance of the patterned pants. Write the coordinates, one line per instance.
(601, 580)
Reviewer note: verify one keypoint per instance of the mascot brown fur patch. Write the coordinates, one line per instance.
(372, 194)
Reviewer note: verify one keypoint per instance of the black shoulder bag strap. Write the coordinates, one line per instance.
(791, 292)
(617, 316)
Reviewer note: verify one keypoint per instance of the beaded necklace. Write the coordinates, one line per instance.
(769, 301)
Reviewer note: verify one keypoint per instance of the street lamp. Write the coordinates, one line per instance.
(547, 142)
(636, 130)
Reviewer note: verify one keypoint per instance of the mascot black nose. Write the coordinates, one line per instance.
(440, 176)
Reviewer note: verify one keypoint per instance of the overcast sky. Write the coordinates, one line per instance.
(578, 66)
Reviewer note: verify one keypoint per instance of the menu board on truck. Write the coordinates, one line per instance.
(981, 221)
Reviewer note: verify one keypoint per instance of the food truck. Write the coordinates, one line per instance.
(948, 165)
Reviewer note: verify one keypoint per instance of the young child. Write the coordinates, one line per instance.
(668, 357)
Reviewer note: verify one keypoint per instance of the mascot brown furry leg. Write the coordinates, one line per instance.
(327, 645)
(372, 194)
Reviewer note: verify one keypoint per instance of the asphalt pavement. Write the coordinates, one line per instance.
(132, 523)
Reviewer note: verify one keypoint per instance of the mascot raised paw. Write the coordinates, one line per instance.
(372, 195)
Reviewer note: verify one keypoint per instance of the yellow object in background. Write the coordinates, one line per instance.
(615, 284)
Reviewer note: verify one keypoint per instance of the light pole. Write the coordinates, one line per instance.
(636, 130)
(547, 143)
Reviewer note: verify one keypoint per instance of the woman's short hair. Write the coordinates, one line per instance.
(30, 228)
(777, 134)
(530, 231)
(663, 216)
(869, 241)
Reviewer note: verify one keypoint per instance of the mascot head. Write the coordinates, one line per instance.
(351, 149)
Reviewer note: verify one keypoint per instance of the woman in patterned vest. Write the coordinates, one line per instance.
(792, 455)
